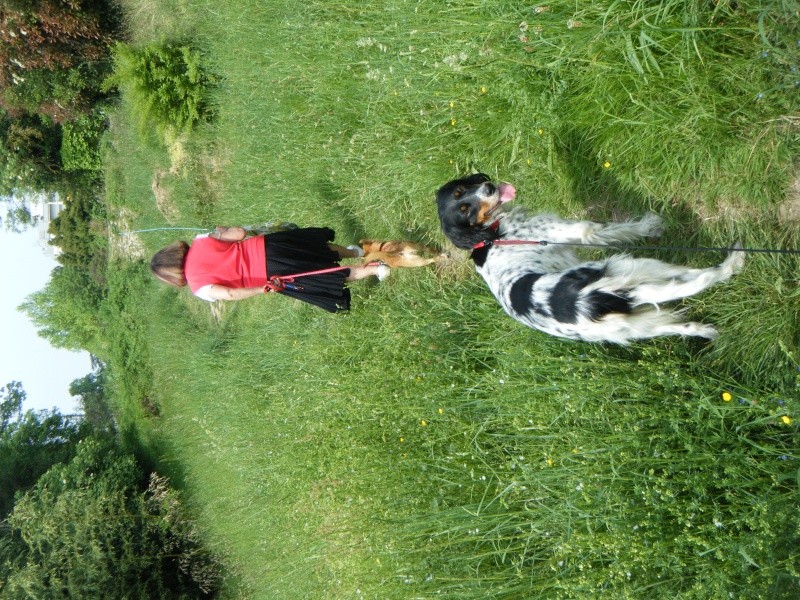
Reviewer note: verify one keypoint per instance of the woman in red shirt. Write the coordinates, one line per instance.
(228, 265)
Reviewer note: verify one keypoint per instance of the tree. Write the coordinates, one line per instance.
(95, 528)
(53, 54)
(29, 152)
(91, 392)
(66, 311)
(73, 232)
(30, 443)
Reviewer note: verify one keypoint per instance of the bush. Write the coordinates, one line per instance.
(95, 529)
(166, 83)
(80, 144)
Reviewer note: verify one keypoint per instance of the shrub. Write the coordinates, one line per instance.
(166, 82)
(94, 528)
(80, 144)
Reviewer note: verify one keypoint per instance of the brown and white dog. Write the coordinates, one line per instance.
(397, 253)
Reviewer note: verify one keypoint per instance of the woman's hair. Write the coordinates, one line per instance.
(167, 264)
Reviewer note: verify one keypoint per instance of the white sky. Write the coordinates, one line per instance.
(45, 371)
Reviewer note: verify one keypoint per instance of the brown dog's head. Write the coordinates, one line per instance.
(370, 245)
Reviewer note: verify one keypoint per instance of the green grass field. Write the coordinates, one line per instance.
(425, 445)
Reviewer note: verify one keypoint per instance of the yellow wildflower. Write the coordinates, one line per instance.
(549, 462)
(423, 422)
(787, 420)
(726, 396)
(453, 121)
(483, 89)
(607, 165)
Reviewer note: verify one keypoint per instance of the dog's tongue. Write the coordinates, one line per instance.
(507, 192)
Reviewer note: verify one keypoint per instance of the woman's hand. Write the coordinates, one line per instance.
(221, 292)
(229, 234)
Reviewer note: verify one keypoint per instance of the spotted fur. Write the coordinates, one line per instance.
(549, 288)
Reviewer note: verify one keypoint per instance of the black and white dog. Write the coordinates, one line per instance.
(548, 288)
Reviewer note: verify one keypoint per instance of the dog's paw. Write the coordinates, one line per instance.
(734, 263)
(652, 225)
(703, 330)
(382, 272)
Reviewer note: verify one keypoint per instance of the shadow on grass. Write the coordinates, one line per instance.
(335, 199)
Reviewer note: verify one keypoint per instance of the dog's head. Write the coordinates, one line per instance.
(466, 208)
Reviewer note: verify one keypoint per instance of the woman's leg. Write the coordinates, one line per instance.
(344, 252)
(363, 271)
(359, 271)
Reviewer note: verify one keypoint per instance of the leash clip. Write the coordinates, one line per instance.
(483, 244)
(275, 285)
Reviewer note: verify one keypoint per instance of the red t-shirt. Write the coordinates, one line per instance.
(232, 264)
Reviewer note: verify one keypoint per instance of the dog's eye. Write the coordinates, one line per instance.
(459, 191)
(464, 208)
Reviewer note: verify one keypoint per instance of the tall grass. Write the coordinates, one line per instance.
(425, 445)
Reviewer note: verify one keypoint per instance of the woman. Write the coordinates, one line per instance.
(228, 265)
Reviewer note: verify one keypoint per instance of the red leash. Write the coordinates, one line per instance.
(495, 225)
(484, 244)
(279, 283)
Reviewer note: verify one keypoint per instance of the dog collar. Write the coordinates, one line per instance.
(493, 227)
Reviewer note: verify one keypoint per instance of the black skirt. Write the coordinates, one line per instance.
(302, 250)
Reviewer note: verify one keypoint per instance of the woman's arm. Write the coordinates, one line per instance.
(229, 234)
(221, 292)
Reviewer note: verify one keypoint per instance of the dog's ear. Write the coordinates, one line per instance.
(468, 181)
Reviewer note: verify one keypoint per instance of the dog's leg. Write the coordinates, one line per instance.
(401, 260)
(686, 329)
(678, 282)
(613, 233)
(553, 229)
(651, 323)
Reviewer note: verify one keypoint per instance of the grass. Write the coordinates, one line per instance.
(425, 445)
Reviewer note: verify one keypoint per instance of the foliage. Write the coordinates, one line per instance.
(80, 146)
(29, 152)
(50, 52)
(79, 231)
(93, 397)
(18, 215)
(128, 357)
(61, 95)
(65, 312)
(30, 443)
(87, 530)
(166, 83)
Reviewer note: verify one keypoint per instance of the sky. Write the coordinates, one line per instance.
(45, 371)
